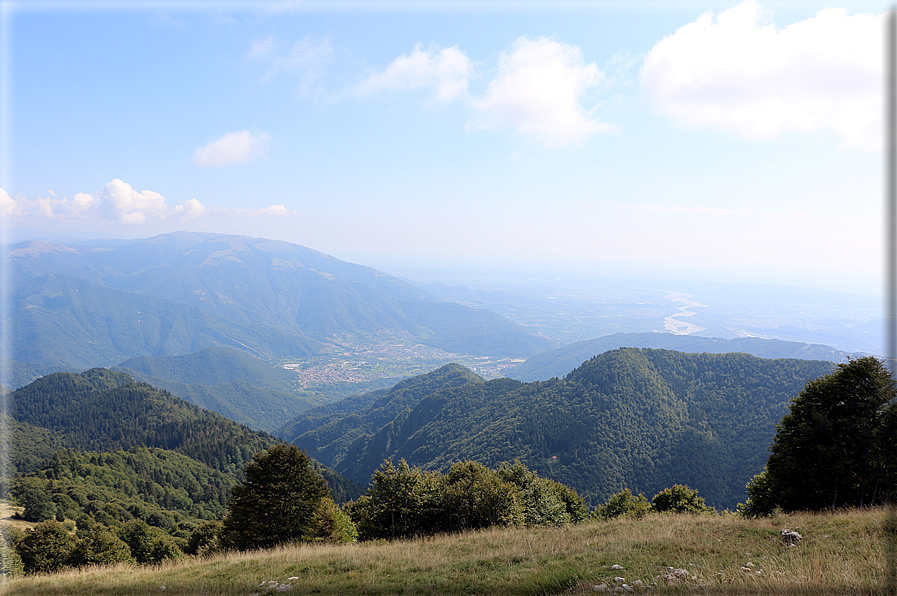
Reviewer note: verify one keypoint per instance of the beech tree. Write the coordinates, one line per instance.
(835, 447)
(279, 502)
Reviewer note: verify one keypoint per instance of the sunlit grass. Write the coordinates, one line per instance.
(841, 553)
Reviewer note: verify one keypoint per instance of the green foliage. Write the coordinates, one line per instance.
(10, 562)
(103, 410)
(37, 505)
(761, 501)
(148, 544)
(476, 497)
(623, 503)
(46, 547)
(835, 448)
(331, 524)
(205, 539)
(276, 503)
(403, 501)
(679, 499)
(99, 546)
(163, 488)
(545, 502)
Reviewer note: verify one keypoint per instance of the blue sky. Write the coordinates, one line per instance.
(714, 140)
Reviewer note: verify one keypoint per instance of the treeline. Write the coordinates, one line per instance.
(93, 520)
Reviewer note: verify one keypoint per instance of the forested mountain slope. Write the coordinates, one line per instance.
(327, 432)
(559, 361)
(102, 410)
(237, 386)
(64, 322)
(637, 418)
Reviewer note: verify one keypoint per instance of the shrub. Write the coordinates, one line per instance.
(623, 503)
(679, 498)
(45, 548)
(100, 547)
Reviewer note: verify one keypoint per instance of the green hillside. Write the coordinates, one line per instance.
(560, 361)
(227, 381)
(328, 432)
(637, 418)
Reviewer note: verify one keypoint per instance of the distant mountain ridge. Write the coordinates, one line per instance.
(558, 362)
(642, 419)
(89, 304)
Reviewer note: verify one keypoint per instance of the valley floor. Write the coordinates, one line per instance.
(841, 553)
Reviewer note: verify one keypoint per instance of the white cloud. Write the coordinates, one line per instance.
(235, 147)
(275, 210)
(8, 205)
(191, 208)
(446, 71)
(539, 89)
(124, 204)
(736, 72)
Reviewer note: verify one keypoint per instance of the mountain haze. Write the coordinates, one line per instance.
(559, 361)
(99, 303)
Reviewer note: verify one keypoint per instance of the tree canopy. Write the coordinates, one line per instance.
(282, 500)
(835, 448)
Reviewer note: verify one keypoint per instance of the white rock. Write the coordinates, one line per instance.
(619, 579)
(615, 567)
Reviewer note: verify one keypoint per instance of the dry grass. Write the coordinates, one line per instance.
(840, 554)
(7, 511)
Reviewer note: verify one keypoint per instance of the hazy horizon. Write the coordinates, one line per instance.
(717, 141)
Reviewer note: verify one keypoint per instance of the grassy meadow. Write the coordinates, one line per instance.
(841, 553)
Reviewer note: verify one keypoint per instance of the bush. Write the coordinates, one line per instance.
(680, 499)
(476, 497)
(100, 547)
(205, 539)
(761, 501)
(148, 544)
(46, 547)
(623, 503)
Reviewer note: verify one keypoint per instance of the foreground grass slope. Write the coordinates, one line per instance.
(842, 553)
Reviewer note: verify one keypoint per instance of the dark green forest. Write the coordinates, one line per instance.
(630, 418)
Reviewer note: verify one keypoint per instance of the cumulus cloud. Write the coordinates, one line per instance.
(446, 71)
(127, 206)
(539, 90)
(234, 147)
(738, 73)
(117, 202)
(8, 204)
